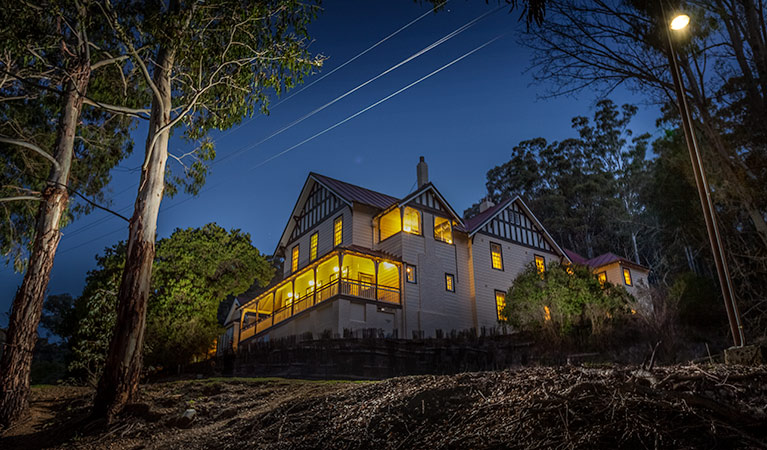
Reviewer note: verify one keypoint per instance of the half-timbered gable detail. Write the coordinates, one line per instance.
(513, 221)
(320, 204)
(428, 198)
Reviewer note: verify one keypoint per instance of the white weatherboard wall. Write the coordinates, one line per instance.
(487, 280)
(362, 228)
(324, 240)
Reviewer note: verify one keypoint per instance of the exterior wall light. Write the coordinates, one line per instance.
(679, 22)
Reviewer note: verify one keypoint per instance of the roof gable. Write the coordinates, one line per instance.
(512, 220)
(428, 197)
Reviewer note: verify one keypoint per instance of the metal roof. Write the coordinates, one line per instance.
(354, 193)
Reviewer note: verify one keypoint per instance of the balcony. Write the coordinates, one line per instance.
(342, 273)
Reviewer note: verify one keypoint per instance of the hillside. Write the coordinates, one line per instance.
(672, 407)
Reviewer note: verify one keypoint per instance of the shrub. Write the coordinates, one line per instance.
(565, 302)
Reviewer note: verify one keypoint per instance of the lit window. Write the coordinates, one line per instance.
(411, 221)
(338, 231)
(410, 274)
(390, 224)
(500, 303)
(450, 282)
(313, 246)
(627, 276)
(496, 256)
(442, 230)
(602, 277)
(294, 260)
(569, 269)
(540, 264)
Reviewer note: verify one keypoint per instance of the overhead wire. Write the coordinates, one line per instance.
(97, 222)
(415, 55)
(337, 124)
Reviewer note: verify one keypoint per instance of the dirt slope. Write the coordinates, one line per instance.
(673, 407)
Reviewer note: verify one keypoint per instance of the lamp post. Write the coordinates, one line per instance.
(679, 22)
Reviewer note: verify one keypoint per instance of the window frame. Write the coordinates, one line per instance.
(498, 311)
(631, 278)
(314, 243)
(339, 219)
(451, 286)
(602, 283)
(420, 220)
(500, 255)
(434, 218)
(415, 273)
(295, 255)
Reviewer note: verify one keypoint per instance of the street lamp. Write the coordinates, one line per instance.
(679, 22)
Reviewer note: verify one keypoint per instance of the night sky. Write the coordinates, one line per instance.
(464, 120)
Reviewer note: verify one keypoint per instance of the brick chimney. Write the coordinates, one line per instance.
(485, 205)
(422, 170)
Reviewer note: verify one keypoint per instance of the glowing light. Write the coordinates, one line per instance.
(335, 269)
(388, 265)
(680, 22)
(546, 313)
(290, 295)
(311, 282)
(407, 228)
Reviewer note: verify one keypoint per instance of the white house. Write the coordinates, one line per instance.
(357, 259)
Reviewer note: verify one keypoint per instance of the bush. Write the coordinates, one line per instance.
(565, 303)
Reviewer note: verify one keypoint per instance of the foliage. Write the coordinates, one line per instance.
(602, 43)
(585, 189)
(194, 270)
(36, 64)
(564, 302)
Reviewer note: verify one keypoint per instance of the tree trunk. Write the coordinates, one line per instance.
(28, 303)
(119, 382)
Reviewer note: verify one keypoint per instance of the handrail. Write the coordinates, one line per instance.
(342, 286)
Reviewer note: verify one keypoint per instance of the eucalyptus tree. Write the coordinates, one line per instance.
(205, 65)
(52, 57)
(723, 59)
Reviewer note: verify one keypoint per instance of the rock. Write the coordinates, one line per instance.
(749, 355)
(186, 419)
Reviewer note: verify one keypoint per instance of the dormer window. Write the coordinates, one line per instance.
(411, 221)
(390, 224)
(443, 231)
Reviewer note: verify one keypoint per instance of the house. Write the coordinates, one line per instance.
(358, 261)
(617, 270)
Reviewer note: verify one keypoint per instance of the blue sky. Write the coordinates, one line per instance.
(464, 120)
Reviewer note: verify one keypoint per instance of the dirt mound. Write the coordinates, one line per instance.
(672, 407)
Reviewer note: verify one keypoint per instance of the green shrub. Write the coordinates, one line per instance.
(565, 302)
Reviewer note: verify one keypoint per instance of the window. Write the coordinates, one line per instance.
(410, 274)
(540, 264)
(443, 231)
(411, 221)
(313, 246)
(338, 231)
(294, 260)
(602, 277)
(627, 276)
(496, 256)
(500, 303)
(450, 282)
(390, 224)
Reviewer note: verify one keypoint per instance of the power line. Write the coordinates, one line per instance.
(369, 107)
(77, 231)
(415, 55)
(337, 124)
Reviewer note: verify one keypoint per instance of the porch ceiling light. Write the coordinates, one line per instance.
(680, 21)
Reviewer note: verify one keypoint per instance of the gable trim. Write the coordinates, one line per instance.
(430, 187)
(531, 216)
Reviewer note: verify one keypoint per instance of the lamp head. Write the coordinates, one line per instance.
(680, 21)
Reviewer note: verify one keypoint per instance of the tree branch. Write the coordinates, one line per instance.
(20, 197)
(118, 109)
(32, 147)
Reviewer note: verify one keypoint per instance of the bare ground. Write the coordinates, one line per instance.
(570, 407)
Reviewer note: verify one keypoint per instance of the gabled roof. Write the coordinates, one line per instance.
(474, 224)
(576, 258)
(602, 260)
(430, 187)
(353, 193)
